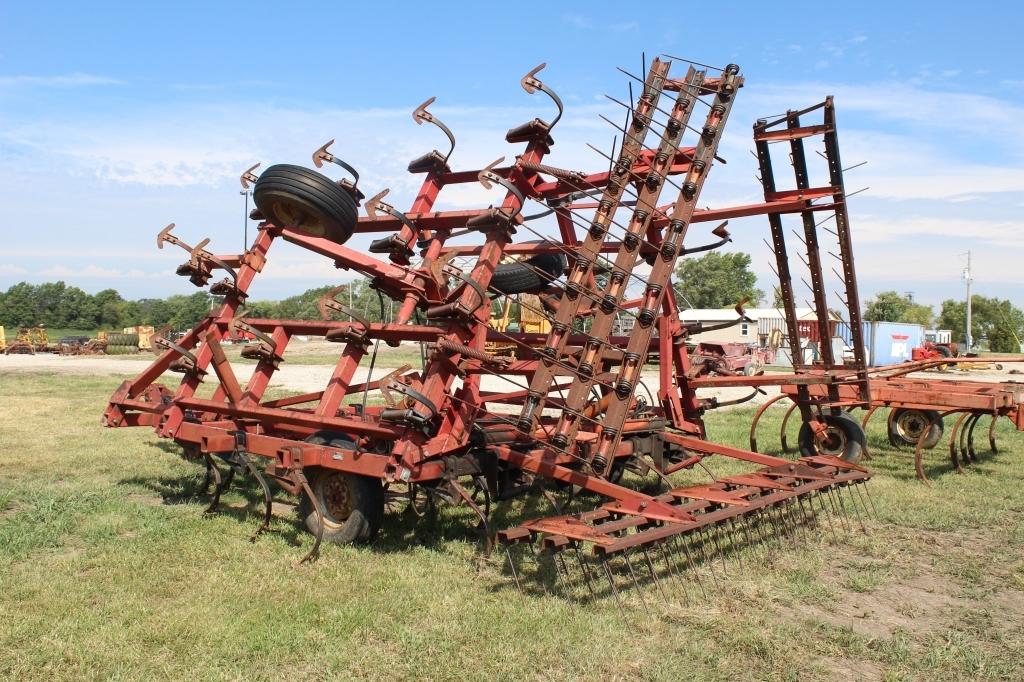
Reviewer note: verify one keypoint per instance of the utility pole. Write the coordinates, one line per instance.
(967, 280)
(245, 221)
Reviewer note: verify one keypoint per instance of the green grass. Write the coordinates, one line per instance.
(110, 570)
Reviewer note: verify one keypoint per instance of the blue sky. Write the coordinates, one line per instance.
(116, 120)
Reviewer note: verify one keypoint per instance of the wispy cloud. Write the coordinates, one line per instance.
(623, 27)
(578, 20)
(92, 272)
(69, 80)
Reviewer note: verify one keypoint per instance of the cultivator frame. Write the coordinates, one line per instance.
(924, 403)
(578, 421)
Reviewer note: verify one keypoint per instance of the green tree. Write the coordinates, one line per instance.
(991, 318)
(189, 310)
(717, 280)
(19, 306)
(889, 306)
(111, 307)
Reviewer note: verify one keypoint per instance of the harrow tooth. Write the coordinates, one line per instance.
(867, 495)
(512, 568)
(654, 575)
(828, 517)
(636, 584)
(581, 560)
(314, 552)
(856, 509)
(838, 509)
(611, 584)
(672, 572)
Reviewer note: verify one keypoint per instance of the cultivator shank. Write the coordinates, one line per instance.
(568, 409)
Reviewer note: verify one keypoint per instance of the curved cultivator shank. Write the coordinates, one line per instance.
(919, 409)
(602, 385)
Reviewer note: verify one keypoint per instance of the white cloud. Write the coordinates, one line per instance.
(128, 176)
(94, 271)
(578, 21)
(60, 81)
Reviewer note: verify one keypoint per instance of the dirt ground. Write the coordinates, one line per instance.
(314, 360)
(305, 377)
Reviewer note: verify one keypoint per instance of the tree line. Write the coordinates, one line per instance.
(993, 319)
(713, 281)
(58, 306)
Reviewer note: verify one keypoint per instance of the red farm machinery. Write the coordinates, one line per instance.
(573, 409)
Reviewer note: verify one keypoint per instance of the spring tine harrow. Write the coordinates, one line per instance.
(493, 413)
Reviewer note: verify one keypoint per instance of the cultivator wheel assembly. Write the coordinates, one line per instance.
(573, 407)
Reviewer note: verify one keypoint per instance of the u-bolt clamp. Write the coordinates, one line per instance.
(186, 362)
(487, 176)
(198, 254)
(532, 84)
(397, 248)
(410, 415)
(248, 177)
(421, 116)
(267, 347)
(351, 186)
(328, 304)
(166, 236)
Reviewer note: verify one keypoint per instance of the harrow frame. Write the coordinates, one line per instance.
(442, 429)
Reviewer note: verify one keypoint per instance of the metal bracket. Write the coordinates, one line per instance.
(410, 415)
(488, 176)
(198, 254)
(352, 186)
(396, 247)
(165, 236)
(266, 349)
(186, 362)
(248, 176)
(421, 116)
(532, 84)
(328, 303)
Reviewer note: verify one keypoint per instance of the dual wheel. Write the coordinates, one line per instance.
(844, 436)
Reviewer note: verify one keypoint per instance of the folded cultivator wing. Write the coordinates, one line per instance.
(571, 408)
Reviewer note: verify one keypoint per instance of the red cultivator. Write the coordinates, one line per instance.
(919, 408)
(470, 426)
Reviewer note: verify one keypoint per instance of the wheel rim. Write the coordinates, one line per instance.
(834, 442)
(288, 214)
(910, 424)
(336, 494)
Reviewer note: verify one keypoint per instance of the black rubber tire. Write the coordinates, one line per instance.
(907, 425)
(847, 436)
(523, 278)
(307, 201)
(367, 495)
(944, 351)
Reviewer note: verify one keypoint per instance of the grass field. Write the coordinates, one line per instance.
(109, 570)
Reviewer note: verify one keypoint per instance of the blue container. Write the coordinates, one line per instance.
(890, 343)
